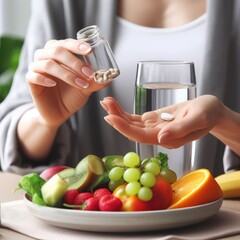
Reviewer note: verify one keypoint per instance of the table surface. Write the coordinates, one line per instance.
(9, 181)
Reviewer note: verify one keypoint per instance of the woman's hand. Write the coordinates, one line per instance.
(192, 120)
(60, 83)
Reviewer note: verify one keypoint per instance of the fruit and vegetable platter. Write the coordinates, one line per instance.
(119, 183)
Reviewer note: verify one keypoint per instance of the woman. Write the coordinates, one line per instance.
(59, 121)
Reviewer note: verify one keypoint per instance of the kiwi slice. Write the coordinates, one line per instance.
(75, 180)
(81, 176)
(94, 163)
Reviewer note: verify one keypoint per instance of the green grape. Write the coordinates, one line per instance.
(131, 159)
(133, 188)
(116, 173)
(147, 179)
(169, 175)
(112, 185)
(145, 194)
(131, 175)
(153, 168)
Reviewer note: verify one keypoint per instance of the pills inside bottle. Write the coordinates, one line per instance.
(101, 58)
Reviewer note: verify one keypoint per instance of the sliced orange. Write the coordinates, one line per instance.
(195, 188)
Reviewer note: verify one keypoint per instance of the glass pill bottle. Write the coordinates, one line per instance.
(101, 58)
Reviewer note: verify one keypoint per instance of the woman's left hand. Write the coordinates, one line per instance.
(191, 120)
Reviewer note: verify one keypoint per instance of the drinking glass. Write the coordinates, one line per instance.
(160, 84)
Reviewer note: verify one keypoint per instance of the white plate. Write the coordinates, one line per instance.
(124, 221)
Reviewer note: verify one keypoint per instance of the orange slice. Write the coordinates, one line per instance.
(195, 188)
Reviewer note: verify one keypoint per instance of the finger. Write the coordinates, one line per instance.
(178, 142)
(111, 106)
(186, 125)
(52, 68)
(39, 79)
(116, 110)
(66, 58)
(73, 45)
(133, 132)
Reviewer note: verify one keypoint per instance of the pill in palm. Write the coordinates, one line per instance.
(167, 116)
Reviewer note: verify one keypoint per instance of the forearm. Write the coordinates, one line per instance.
(227, 129)
(35, 138)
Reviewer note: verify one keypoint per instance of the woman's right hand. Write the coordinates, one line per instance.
(60, 83)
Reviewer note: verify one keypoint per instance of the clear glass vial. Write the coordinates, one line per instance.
(101, 58)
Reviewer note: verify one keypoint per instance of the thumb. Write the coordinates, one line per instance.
(180, 128)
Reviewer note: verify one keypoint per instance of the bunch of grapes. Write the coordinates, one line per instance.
(138, 175)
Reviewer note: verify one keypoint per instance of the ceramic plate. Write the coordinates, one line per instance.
(123, 221)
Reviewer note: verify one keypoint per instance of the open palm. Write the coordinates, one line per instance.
(192, 120)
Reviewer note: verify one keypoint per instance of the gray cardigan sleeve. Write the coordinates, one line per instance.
(221, 78)
(230, 160)
(49, 20)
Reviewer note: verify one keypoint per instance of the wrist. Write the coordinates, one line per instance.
(35, 137)
(227, 128)
(34, 116)
(221, 117)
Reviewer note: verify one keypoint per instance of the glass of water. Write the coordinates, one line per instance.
(160, 84)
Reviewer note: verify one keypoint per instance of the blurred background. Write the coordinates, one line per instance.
(14, 17)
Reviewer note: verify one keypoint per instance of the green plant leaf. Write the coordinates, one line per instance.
(10, 48)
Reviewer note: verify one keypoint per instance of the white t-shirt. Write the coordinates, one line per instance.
(184, 43)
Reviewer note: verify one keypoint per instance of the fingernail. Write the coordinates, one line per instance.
(49, 82)
(82, 83)
(104, 106)
(164, 137)
(108, 121)
(84, 48)
(88, 71)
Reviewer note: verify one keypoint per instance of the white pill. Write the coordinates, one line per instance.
(167, 116)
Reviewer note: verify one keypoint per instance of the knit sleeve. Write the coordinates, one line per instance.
(50, 19)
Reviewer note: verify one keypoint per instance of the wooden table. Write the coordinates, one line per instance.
(8, 182)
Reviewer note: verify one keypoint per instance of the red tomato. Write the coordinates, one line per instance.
(162, 194)
(162, 197)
